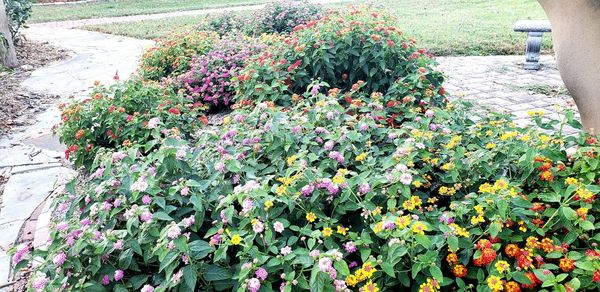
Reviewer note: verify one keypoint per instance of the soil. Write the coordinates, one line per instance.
(18, 105)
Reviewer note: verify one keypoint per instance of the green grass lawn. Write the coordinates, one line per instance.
(108, 8)
(444, 27)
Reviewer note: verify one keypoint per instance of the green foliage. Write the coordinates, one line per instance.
(283, 16)
(132, 111)
(322, 185)
(18, 11)
(342, 50)
(172, 54)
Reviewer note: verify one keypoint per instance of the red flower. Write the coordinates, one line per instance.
(596, 277)
(79, 134)
(547, 176)
(294, 66)
(533, 279)
(483, 244)
(174, 111)
(488, 255)
(567, 264)
(204, 120)
(375, 37)
(390, 43)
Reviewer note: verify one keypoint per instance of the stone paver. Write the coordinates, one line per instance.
(106, 20)
(500, 83)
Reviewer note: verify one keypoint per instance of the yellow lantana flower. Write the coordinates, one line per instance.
(327, 232)
(419, 228)
(236, 239)
(311, 217)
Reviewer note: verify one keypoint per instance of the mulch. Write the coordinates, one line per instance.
(18, 106)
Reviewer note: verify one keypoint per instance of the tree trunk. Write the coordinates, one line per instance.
(576, 37)
(8, 57)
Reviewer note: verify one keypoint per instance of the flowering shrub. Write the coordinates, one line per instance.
(209, 77)
(125, 113)
(363, 186)
(283, 16)
(172, 54)
(448, 199)
(224, 24)
(342, 49)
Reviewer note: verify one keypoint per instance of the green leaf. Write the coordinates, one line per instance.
(199, 249)
(190, 277)
(162, 216)
(216, 273)
(388, 269)
(169, 258)
(423, 240)
(569, 213)
(125, 259)
(342, 268)
(196, 201)
(436, 272)
(585, 265)
(521, 278)
(453, 243)
(587, 225)
(495, 228)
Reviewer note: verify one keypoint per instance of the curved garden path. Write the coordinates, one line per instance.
(33, 159)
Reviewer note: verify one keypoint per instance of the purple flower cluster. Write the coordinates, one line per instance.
(209, 79)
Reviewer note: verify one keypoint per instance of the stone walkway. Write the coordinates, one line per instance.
(130, 18)
(33, 159)
(501, 84)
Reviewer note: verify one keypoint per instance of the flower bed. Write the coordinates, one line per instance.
(326, 186)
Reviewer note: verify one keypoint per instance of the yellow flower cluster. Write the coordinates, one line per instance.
(479, 217)
(236, 239)
(365, 272)
(447, 191)
(268, 205)
(533, 113)
(327, 232)
(495, 283)
(291, 160)
(584, 194)
(429, 286)
(339, 177)
(311, 217)
(361, 156)
(499, 185)
(509, 135)
(459, 231)
(402, 221)
(453, 142)
(571, 181)
(448, 166)
(414, 202)
(419, 228)
(502, 267)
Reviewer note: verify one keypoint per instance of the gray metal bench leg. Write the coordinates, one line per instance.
(532, 51)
